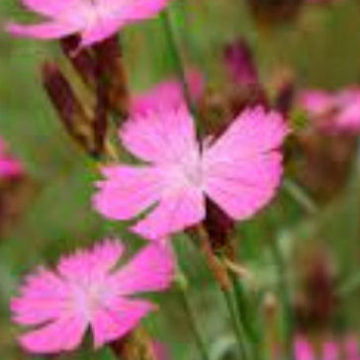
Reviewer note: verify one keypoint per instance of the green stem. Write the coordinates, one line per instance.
(182, 287)
(222, 278)
(194, 327)
(285, 297)
(243, 312)
(300, 196)
(178, 57)
(237, 325)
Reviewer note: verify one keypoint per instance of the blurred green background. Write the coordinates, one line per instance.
(322, 48)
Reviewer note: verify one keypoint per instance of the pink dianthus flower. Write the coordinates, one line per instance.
(330, 349)
(90, 289)
(239, 171)
(94, 20)
(333, 112)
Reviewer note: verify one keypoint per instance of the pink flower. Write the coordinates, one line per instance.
(89, 289)
(94, 20)
(10, 167)
(239, 171)
(330, 349)
(333, 112)
(169, 92)
(316, 102)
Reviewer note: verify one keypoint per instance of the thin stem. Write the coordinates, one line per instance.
(300, 196)
(221, 275)
(285, 297)
(237, 325)
(178, 57)
(243, 312)
(193, 324)
(182, 287)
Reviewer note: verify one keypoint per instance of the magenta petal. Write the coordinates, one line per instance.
(241, 188)
(173, 214)
(254, 131)
(169, 92)
(117, 319)
(41, 298)
(160, 136)
(63, 334)
(127, 191)
(91, 264)
(330, 351)
(303, 349)
(142, 9)
(316, 102)
(10, 167)
(351, 348)
(150, 270)
(50, 7)
(103, 29)
(45, 31)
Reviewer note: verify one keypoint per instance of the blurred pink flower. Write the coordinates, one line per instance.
(89, 289)
(10, 167)
(333, 112)
(239, 171)
(169, 92)
(330, 350)
(95, 20)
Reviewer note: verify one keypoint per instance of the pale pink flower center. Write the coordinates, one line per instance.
(87, 298)
(187, 171)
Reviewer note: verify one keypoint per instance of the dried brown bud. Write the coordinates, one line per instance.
(218, 225)
(110, 69)
(82, 60)
(71, 112)
(135, 346)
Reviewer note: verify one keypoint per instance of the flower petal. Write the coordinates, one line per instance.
(127, 191)
(117, 319)
(253, 132)
(43, 298)
(160, 136)
(45, 31)
(104, 28)
(168, 92)
(151, 269)
(50, 7)
(316, 102)
(93, 263)
(330, 351)
(303, 349)
(133, 10)
(61, 335)
(241, 188)
(174, 213)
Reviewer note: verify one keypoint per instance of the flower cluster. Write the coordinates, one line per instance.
(177, 172)
(330, 350)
